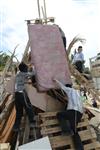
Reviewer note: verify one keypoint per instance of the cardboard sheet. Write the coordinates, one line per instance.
(40, 144)
(40, 100)
(43, 101)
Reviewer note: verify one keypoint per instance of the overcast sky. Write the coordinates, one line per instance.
(73, 16)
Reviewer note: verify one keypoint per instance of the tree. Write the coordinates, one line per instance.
(3, 59)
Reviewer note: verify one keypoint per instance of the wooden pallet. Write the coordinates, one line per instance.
(50, 127)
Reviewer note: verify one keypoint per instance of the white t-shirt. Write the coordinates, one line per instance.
(78, 57)
(74, 99)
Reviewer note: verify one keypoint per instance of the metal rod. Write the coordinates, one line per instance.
(45, 11)
(39, 9)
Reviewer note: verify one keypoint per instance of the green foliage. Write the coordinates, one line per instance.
(3, 59)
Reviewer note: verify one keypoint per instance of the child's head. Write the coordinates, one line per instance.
(23, 67)
(80, 49)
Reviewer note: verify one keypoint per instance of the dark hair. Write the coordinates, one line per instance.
(69, 85)
(79, 47)
(23, 67)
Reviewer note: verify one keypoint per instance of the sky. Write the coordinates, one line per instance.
(75, 17)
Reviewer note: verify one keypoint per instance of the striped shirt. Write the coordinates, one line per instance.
(21, 79)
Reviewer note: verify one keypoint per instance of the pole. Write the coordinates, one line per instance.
(39, 9)
(45, 11)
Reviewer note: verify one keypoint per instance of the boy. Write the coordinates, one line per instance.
(70, 117)
(78, 60)
(21, 97)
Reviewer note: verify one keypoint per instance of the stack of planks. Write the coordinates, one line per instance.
(7, 118)
(50, 127)
(82, 80)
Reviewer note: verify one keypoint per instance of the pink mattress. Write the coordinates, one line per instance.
(48, 56)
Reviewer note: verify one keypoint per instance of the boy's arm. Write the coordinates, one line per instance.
(63, 87)
(30, 74)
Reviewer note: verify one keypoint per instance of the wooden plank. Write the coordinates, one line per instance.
(5, 113)
(4, 101)
(2, 125)
(24, 58)
(83, 124)
(85, 134)
(61, 143)
(4, 135)
(50, 122)
(4, 146)
(26, 131)
(58, 141)
(4, 118)
(92, 145)
(52, 114)
(91, 108)
(48, 114)
(50, 130)
(56, 122)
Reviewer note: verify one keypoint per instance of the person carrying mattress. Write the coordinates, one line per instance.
(21, 97)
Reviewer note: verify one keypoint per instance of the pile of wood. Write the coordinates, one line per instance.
(50, 127)
(7, 118)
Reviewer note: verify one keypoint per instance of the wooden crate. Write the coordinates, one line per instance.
(50, 127)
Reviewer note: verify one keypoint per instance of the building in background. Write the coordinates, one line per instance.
(95, 70)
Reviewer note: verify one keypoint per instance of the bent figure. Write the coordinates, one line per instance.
(70, 117)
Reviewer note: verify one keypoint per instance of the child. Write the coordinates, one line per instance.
(78, 60)
(21, 97)
(70, 117)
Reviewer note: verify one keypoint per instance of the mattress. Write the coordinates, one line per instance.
(48, 56)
